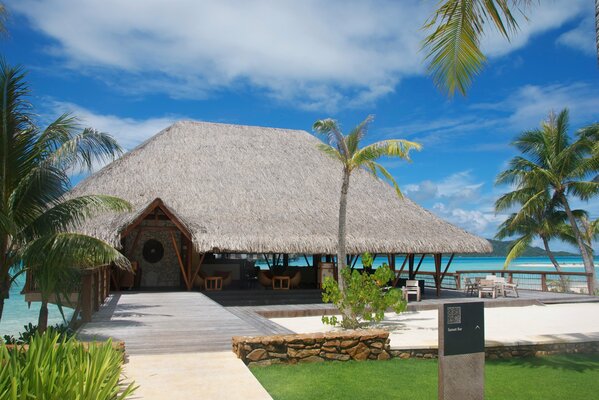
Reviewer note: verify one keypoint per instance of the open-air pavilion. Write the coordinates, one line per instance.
(201, 192)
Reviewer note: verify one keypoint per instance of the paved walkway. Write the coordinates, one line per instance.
(178, 344)
(576, 322)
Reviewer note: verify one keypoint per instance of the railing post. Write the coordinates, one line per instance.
(86, 296)
(544, 283)
(458, 282)
(510, 277)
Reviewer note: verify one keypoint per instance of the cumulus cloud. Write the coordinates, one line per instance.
(129, 132)
(582, 37)
(316, 54)
(453, 189)
(475, 221)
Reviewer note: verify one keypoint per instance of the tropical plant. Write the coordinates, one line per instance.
(36, 214)
(453, 47)
(54, 367)
(552, 169)
(367, 260)
(346, 149)
(365, 298)
(30, 331)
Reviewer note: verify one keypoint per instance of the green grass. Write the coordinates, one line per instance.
(552, 377)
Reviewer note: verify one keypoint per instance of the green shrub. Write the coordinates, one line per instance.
(53, 367)
(30, 330)
(364, 299)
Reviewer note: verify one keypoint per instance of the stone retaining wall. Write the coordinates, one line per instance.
(514, 351)
(317, 347)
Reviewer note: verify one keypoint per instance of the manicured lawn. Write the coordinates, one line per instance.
(552, 377)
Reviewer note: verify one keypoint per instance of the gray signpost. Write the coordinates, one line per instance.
(462, 351)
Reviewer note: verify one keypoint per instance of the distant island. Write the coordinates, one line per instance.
(501, 248)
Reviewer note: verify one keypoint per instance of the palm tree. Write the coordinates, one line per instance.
(553, 168)
(36, 215)
(346, 150)
(544, 221)
(453, 47)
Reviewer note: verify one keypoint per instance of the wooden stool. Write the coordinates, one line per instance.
(213, 283)
(280, 282)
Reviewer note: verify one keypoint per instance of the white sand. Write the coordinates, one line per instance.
(505, 325)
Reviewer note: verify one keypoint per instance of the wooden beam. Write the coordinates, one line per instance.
(437, 258)
(419, 263)
(197, 270)
(354, 264)
(447, 266)
(135, 241)
(181, 266)
(157, 203)
(307, 262)
(411, 273)
(267, 262)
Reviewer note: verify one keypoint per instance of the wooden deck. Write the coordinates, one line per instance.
(172, 322)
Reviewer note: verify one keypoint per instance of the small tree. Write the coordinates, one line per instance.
(346, 149)
(365, 298)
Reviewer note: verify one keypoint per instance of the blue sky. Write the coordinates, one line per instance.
(132, 68)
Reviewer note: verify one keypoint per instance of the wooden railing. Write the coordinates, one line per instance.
(94, 288)
(546, 281)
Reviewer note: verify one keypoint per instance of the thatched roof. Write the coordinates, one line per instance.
(250, 189)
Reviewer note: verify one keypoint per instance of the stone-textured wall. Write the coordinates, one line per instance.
(164, 273)
(506, 352)
(317, 347)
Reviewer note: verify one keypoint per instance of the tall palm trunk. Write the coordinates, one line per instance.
(341, 250)
(587, 259)
(4, 276)
(42, 320)
(558, 268)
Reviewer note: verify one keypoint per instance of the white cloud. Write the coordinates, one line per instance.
(453, 189)
(530, 104)
(318, 54)
(582, 38)
(129, 132)
(475, 221)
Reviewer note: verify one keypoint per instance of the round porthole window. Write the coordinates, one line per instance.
(153, 251)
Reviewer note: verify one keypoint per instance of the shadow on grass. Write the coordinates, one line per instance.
(566, 362)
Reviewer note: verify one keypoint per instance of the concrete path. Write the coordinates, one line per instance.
(178, 344)
(185, 376)
(503, 325)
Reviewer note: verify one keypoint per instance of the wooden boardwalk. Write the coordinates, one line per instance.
(172, 322)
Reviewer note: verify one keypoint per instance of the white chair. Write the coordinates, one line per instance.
(510, 287)
(487, 286)
(411, 288)
(470, 287)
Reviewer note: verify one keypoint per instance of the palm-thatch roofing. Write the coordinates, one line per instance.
(251, 189)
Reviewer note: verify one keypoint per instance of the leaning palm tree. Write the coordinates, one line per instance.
(36, 215)
(554, 168)
(543, 221)
(346, 149)
(453, 47)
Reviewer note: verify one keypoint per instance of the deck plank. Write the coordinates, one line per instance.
(171, 322)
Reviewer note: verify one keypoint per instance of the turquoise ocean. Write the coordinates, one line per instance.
(18, 313)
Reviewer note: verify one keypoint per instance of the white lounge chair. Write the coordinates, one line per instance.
(487, 286)
(510, 287)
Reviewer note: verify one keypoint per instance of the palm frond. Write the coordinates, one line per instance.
(376, 168)
(330, 128)
(71, 250)
(75, 211)
(386, 148)
(517, 247)
(357, 134)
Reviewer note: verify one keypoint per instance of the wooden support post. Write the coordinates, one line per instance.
(86, 296)
(438, 273)
(391, 258)
(316, 258)
(411, 273)
(197, 270)
(267, 261)
(446, 268)
(181, 266)
(285, 260)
